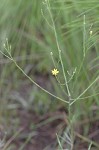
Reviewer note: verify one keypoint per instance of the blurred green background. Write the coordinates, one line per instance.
(32, 40)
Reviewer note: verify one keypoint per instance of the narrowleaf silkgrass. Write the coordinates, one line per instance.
(71, 50)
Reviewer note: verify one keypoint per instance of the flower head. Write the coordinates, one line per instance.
(55, 72)
(91, 32)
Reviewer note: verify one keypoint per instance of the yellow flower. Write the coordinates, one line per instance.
(55, 72)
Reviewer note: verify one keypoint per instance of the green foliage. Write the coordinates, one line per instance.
(31, 36)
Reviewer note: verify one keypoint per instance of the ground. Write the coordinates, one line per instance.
(38, 132)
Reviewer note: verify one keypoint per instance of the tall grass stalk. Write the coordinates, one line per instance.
(84, 37)
(71, 100)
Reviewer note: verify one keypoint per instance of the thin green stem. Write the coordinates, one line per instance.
(38, 84)
(58, 47)
(62, 65)
(89, 148)
(84, 37)
(59, 142)
(85, 90)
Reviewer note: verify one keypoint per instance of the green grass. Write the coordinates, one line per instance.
(32, 40)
